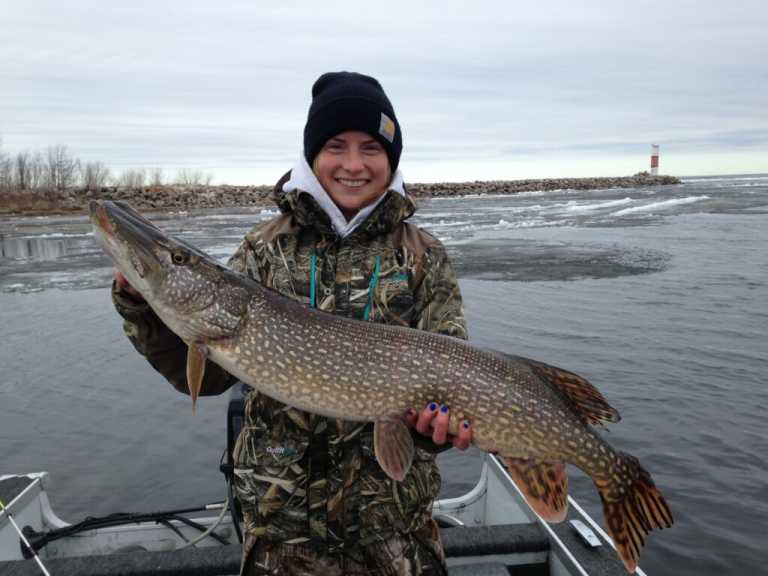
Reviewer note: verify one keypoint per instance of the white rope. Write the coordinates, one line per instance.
(211, 528)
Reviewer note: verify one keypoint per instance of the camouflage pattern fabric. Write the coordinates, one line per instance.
(310, 488)
(403, 555)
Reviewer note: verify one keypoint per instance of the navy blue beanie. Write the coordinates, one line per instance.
(344, 101)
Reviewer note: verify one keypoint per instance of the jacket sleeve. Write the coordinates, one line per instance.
(439, 305)
(163, 349)
(441, 310)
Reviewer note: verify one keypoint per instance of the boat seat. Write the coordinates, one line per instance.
(209, 561)
(496, 540)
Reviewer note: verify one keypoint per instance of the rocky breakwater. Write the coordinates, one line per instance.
(177, 197)
(495, 187)
(172, 197)
(187, 197)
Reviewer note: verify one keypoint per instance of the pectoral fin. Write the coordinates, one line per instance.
(196, 356)
(544, 485)
(393, 444)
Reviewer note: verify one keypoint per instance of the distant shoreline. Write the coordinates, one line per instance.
(178, 197)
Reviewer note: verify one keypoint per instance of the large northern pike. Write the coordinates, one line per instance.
(536, 416)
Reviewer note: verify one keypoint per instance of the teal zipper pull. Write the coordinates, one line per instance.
(372, 288)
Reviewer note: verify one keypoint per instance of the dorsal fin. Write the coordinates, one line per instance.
(587, 399)
(584, 396)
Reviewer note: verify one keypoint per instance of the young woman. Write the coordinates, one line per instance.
(314, 499)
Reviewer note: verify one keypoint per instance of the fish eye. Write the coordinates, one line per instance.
(179, 258)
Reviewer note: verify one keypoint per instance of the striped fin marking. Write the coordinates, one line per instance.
(630, 519)
(544, 485)
(588, 400)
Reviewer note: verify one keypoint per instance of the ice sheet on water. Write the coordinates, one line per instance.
(663, 205)
(763, 177)
(223, 252)
(29, 281)
(519, 259)
(574, 206)
(448, 224)
(57, 235)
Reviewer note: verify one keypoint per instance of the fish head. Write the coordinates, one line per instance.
(195, 296)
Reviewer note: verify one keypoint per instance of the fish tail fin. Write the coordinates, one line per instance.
(633, 507)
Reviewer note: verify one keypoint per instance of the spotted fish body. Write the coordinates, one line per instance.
(534, 415)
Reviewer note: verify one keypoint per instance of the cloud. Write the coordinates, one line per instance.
(228, 86)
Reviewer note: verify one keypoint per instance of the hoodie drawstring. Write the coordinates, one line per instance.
(312, 282)
(372, 288)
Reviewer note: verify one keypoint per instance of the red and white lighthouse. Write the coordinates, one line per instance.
(654, 159)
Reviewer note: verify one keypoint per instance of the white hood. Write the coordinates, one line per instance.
(302, 178)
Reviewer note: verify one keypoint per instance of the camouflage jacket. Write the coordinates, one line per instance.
(301, 477)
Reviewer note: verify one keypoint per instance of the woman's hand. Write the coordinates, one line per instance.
(124, 286)
(433, 421)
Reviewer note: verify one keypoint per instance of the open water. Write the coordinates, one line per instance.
(658, 295)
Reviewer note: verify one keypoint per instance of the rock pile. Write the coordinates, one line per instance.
(515, 186)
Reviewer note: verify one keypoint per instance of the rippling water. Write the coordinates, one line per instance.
(657, 295)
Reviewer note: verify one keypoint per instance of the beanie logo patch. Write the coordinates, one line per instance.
(387, 128)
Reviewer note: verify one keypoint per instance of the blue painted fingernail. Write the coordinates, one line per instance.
(466, 424)
(433, 407)
(444, 409)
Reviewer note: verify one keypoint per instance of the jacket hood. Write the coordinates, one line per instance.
(300, 194)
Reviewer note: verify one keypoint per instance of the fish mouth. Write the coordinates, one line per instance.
(133, 242)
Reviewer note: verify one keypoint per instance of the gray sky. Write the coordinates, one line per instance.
(483, 90)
